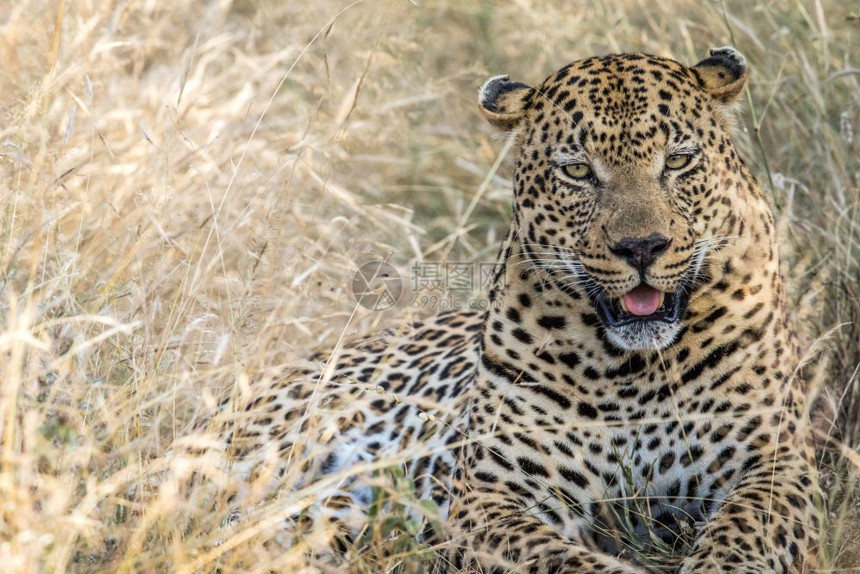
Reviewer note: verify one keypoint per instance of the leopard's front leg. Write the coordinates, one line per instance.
(492, 532)
(496, 526)
(768, 523)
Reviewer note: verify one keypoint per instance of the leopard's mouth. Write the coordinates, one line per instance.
(642, 304)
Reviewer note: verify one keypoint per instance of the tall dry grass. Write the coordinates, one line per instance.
(187, 187)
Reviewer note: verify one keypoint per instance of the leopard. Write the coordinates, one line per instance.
(634, 377)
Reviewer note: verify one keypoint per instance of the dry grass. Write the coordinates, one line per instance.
(187, 188)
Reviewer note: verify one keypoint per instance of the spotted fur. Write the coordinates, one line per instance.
(557, 428)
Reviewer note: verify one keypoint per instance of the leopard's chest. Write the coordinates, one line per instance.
(638, 477)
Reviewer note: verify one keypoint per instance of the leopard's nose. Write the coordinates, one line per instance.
(640, 252)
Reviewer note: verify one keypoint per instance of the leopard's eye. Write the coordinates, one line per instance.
(577, 170)
(678, 160)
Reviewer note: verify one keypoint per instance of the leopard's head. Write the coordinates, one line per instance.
(626, 180)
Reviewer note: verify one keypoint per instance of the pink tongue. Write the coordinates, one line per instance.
(643, 300)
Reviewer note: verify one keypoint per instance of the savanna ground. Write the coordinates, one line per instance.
(187, 188)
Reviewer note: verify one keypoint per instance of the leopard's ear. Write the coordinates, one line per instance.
(723, 74)
(503, 102)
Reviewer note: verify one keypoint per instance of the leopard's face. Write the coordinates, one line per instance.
(624, 178)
